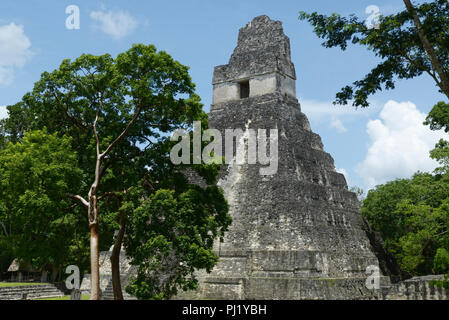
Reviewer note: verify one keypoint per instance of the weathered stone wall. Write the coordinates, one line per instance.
(259, 85)
(262, 48)
(304, 208)
(418, 288)
(296, 234)
(262, 57)
(126, 272)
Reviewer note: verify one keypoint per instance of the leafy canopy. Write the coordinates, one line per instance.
(138, 181)
(171, 235)
(412, 216)
(40, 227)
(397, 42)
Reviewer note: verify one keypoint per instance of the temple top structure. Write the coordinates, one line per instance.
(261, 64)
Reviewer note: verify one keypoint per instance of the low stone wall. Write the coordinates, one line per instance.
(276, 288)
(418, 288)
(31, 292)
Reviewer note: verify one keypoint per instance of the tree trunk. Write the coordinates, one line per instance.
(93, 202)
(54, 274)
(94, 263)
(115, 260)
(436, 64)
(94, 240)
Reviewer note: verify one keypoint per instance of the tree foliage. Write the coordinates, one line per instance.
(438, 117)
(118, 113)
(39, 225)
(410, 43)
(171, 235)
(412, 216)
(441, 261)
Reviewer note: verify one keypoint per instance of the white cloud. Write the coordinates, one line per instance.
(3, 112)
(399, 145)
(116, 24)
(338, 125)
(319, 112)
(14, 51)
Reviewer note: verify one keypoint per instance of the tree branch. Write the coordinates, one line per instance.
(104, 168)
(436, 65)
(66, 108)
(97, 139)
(80, 199)
(441, 233)
(411, 61)
(4, 228)
(123, 134)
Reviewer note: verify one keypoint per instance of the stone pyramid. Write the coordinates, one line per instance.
(296, 234)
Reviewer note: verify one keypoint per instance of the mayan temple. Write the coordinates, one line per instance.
(296, 234)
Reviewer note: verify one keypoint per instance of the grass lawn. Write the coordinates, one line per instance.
(83, 297)
(20, 284)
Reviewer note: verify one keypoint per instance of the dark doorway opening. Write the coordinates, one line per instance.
(244, 89)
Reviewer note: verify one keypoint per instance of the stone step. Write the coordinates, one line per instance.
(31, 287)
(6, 292)
(32, 295)
(32, 291)
(108, 294)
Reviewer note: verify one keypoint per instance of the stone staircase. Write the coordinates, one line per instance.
(108, 293)
(32, 292)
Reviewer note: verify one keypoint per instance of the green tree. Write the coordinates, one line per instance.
(441, 261)
(410, 43)
(171, 234)
(118, 113)
(412, 216)
(38, 225)
(441, 154)
(3, 140)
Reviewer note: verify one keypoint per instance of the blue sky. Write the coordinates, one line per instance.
(370, 146)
